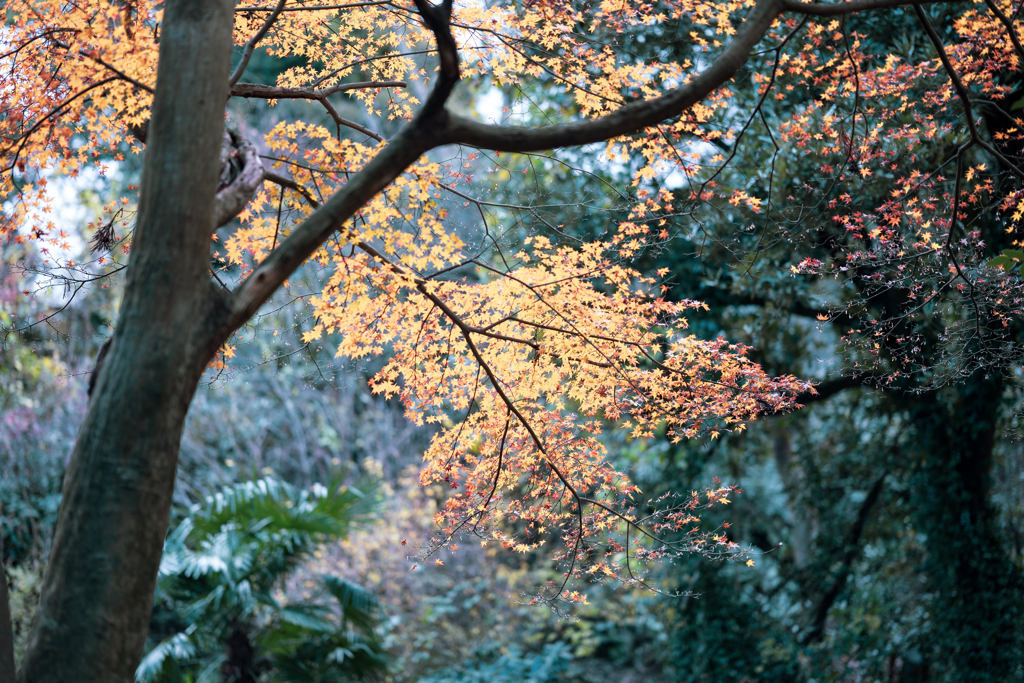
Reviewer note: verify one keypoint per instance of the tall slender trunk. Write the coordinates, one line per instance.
(97, 592)
(977, 594)
(6, 627)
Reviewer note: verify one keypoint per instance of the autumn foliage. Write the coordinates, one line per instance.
(527, 360)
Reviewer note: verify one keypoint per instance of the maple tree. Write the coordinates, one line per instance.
(549, 341)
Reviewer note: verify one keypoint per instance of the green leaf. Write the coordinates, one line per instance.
(177, 647)
(1004, 262)
(308, 617)
(222, 562)
(358, 605)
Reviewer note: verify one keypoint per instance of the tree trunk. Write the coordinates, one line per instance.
(97, 593)
(977, 593)
(6, 627)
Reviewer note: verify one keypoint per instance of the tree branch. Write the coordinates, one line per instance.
(632, 117)
(250, 45)
(339, 121)
(314, 8)
(834, 9)
(852, 550)
(271, 92)
(389, 163)
(291, 185)
(438, 20)
(954, 77)
(1009, 27)
(830, 387)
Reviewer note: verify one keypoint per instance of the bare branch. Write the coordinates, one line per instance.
(852, 550)
(343, 67)
(840, 8)
(291, 185)
(271, 92)
(314, 8)
(345, 122)
(831, 387)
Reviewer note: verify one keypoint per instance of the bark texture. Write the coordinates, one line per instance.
(97, 594)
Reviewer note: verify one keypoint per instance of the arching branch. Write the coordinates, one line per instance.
(423, 134)
(632, 117)
(636, 116)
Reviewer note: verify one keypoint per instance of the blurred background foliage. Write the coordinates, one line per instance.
(887, 526)
(223, 609)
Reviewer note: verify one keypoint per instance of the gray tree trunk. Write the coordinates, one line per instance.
(97, 594)
(6, 627)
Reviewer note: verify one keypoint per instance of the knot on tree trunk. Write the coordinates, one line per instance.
(241, 173)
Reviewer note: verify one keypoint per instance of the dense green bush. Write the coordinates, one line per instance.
(225, 609)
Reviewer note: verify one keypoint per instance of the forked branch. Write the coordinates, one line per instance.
(426, 131)
(636, 116)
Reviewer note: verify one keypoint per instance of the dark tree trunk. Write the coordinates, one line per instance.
(6, 627)
(241, 665)
(977, 593)
(97, 594)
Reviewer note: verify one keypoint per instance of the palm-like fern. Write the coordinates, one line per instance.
(217, 616)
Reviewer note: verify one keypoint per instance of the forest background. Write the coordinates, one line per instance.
(863, 487)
